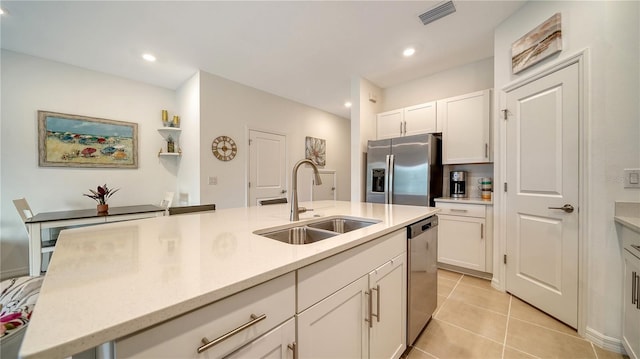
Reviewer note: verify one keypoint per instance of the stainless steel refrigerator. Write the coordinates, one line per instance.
(404, 170)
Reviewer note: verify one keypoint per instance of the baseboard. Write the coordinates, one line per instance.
(604, 342)
(15, 272)
(471, 272)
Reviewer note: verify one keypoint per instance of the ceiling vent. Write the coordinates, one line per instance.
(439, 11)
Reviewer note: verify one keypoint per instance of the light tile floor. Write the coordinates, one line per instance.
(474, 320)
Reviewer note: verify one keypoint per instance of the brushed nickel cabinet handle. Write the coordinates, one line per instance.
(209, 344)
(377, 289)
(401, 128)
(294, 348)
(370, 315)
(458, 210)
(481, 230)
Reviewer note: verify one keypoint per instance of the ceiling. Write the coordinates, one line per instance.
(304, 51)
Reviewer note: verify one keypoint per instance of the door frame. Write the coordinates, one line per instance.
(247, 165)
(500, 201)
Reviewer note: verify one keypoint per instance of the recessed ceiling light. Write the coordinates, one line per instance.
(408, 52)
(149, 57)
(347, 104)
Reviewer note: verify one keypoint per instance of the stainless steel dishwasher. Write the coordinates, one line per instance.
(422, 276)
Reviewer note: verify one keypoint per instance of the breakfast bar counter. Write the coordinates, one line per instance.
(110, 281)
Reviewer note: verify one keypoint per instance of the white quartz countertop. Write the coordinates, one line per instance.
(105, 282)
(628, 214)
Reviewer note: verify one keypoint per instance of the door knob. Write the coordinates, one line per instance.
(567, 208)
(283, 191)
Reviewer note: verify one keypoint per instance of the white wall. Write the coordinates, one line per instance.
(609, 29)
(363, 128)
(472, 77)
(188, 188)
(30, 84)
(231, 109)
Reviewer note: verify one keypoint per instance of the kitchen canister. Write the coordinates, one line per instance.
(486, 187)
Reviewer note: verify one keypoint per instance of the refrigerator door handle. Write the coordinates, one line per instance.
(390, 167)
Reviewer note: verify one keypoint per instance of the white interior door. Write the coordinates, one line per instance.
(327, 190)
(542, 174)
(267, 166)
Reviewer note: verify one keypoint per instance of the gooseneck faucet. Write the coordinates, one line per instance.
(295, 210)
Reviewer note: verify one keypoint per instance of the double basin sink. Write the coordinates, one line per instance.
(316, 231)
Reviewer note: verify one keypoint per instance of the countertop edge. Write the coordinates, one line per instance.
(632, 223)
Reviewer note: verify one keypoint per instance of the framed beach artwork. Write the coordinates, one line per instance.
(538, 44)
(66, 140)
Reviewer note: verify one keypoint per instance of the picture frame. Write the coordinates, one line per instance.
(66, 140)
(315, 149)
(538, 44)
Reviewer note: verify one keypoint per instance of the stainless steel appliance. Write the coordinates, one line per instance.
(458, 184)
(422, 275)
(404, 170)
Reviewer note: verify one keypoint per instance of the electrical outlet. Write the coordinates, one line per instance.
(632, 178)
(213, 180)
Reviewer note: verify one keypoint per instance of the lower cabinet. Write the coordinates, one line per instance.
(631, 306)
(367, 317)
(465, 236)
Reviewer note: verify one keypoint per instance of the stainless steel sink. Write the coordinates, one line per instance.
(316, 231)
(299, 235)
(342, 225)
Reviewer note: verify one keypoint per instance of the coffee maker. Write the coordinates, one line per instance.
(458, 184)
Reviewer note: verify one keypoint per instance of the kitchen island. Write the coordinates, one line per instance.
(114, 280)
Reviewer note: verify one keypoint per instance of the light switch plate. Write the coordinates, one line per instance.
(213, 180)
(632, 178)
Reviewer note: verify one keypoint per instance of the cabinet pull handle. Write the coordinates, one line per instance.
(377, 289)
(294, 348)
(458, 210)
(400, 128)
(405, 127)
(638, 291)
(634, 291)
(370, 315)
(481, 230)
(209, 344)
(486, 150)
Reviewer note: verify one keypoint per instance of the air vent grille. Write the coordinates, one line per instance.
(439, 11)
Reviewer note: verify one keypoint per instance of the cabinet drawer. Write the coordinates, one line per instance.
(181, 337)
(321, 279)
(462, 209)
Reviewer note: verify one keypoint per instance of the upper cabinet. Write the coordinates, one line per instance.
(466, 124)
(407, 121)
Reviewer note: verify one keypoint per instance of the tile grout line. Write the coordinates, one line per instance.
(506, 328)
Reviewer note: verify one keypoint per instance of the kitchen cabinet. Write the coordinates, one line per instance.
(466, 126)
(631, 306)
(465, 236)
(367, 305)
(242, 318)
(407, 121)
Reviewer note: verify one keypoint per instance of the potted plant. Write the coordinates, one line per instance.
(101, 195)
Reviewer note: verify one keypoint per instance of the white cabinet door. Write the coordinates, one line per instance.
(420, 119)
(631, 309)
(390, 124)
(335, 327)
(276, 344)
(388, 328)
(461, 241)
(466, 127)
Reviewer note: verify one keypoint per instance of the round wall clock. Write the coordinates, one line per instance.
(224, 148)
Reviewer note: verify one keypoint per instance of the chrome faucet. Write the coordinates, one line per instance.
(295, 210)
